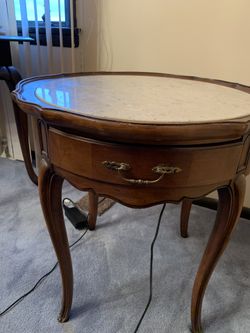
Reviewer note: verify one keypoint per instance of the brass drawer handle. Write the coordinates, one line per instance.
(161, 169)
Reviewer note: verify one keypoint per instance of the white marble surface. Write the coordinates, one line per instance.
(144, 98)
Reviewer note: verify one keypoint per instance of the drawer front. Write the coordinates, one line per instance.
(191, 166)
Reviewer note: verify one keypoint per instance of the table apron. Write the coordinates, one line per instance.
(197, 165)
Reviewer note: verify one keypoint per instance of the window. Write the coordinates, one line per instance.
(39, 12)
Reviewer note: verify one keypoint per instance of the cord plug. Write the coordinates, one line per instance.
(77, 218)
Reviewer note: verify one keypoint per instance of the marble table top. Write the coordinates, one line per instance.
(135, 98)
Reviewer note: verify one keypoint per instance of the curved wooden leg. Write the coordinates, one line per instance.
(230, 204)
(50, 187)
(22, 130)
(93, 209)
(185, 212)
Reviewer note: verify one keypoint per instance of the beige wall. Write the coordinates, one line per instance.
(208, 38)
(197, 37)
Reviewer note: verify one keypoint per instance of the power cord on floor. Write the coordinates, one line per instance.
(151, 269)
(10, 307)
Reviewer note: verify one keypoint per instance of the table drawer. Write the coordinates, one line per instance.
(144, 165)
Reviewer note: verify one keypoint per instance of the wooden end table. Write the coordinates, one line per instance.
(141, 139)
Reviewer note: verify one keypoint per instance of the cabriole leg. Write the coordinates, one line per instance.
(185, 212)
(50, 190)
(22, 130)
(93, 209)
(230, 204)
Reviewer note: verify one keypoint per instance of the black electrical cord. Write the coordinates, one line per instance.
(101, 200)
(10, 307)
(151, 269)
(150, 277)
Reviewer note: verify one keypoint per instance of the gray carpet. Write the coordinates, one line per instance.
(111, 268)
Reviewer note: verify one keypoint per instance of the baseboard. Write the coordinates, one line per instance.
(212, 204)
